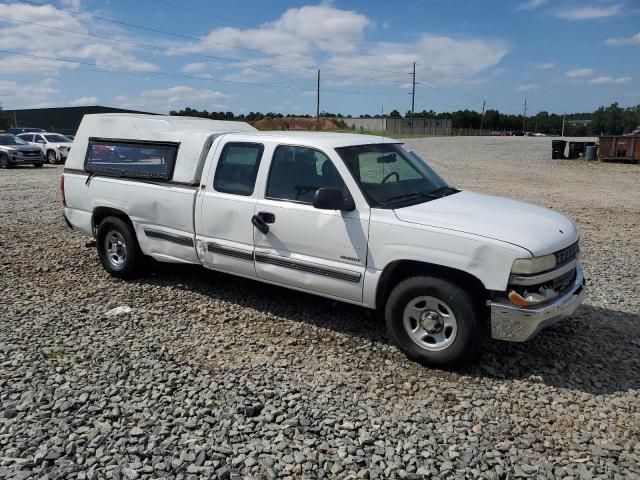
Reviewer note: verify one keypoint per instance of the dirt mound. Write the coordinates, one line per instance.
(294, 123)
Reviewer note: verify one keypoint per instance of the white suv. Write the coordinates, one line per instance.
(54, 146)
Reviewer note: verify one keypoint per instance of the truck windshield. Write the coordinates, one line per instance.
(391, 175)
(11, 140)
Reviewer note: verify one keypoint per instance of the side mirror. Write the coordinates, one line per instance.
(332, 199)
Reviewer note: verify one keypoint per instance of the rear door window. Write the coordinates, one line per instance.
(238, 168)
(143, 160)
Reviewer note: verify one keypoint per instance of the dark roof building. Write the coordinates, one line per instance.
(63, 119)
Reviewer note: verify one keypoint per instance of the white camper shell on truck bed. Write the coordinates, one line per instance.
(356, 218)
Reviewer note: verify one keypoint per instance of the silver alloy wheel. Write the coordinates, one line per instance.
(115, 248)
(51, 157)
(430, 323)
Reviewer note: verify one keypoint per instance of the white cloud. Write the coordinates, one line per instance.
(544, 65)
(296, 32)
(57, 40)
(590, 12)
(249, 74)
(579, 73)
(439, 59)
(633, 40)
(24, 95)
(179, 96)
(531, 4)
(528, 87)
(607, 80)
(82, 101)
(194, 67)
(386, 24)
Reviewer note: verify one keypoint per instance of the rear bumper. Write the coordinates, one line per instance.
(516, 324)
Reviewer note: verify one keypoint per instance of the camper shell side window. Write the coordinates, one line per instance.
(136, 159)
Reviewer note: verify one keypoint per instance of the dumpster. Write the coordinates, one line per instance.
(557, 149)
(577, 149)
(619, 148)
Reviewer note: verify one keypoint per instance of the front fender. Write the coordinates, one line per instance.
(486, 259)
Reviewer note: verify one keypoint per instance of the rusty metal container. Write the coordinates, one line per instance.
(619, 148)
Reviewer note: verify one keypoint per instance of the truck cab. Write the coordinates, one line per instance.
(356, 218)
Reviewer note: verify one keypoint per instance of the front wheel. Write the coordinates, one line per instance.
(118, 248)
(51, 157)
(4, 162)
(433, 321)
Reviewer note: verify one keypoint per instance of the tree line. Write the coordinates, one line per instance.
(611, 120)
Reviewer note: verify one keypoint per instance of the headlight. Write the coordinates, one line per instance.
(529, 266)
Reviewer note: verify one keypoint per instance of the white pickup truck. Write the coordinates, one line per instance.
(355, 218)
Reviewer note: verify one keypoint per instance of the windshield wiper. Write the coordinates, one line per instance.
(408, 196)
(443, 191)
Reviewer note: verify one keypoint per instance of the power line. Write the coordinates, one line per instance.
(191, 38)
(106, 68)
(242, 62)
(200, 12)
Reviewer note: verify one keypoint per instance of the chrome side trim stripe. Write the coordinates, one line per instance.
(169, 237)
(542, 277)
(230, 252)
(308, 268)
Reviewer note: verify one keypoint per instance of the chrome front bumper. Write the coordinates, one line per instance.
(516, 324)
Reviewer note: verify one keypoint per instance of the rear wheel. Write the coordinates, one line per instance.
(52, 158)
(4, 161)
(434, 321)
(118, 248)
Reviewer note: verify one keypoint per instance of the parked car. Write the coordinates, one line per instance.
(355, 218)
(54, 146)
(15, 151)
(18, 130)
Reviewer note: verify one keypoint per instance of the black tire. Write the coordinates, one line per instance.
(51, 157)
(4, 162)
(37, 165)
(114, 228)
(455, 301)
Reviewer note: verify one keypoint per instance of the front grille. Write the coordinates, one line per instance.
(567, 254)
(563, 282)
(31, 153)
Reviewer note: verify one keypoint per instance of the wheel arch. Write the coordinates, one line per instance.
(100, 213)
(400, 270)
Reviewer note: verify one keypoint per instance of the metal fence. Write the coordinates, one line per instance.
(402, 126)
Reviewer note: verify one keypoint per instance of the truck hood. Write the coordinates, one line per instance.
(20, 148)
(537, 229)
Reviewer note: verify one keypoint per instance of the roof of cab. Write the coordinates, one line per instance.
(323, 139)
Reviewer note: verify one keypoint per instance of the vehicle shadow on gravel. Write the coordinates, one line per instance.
(597, 351)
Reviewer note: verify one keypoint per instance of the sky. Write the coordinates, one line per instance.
(252, 55)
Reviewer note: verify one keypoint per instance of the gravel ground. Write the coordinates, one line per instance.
(214, 376)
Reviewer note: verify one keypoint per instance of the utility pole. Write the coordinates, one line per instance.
(563, 115)
(524, 115)
(484, 103)
(413, 93)
(318, 103)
